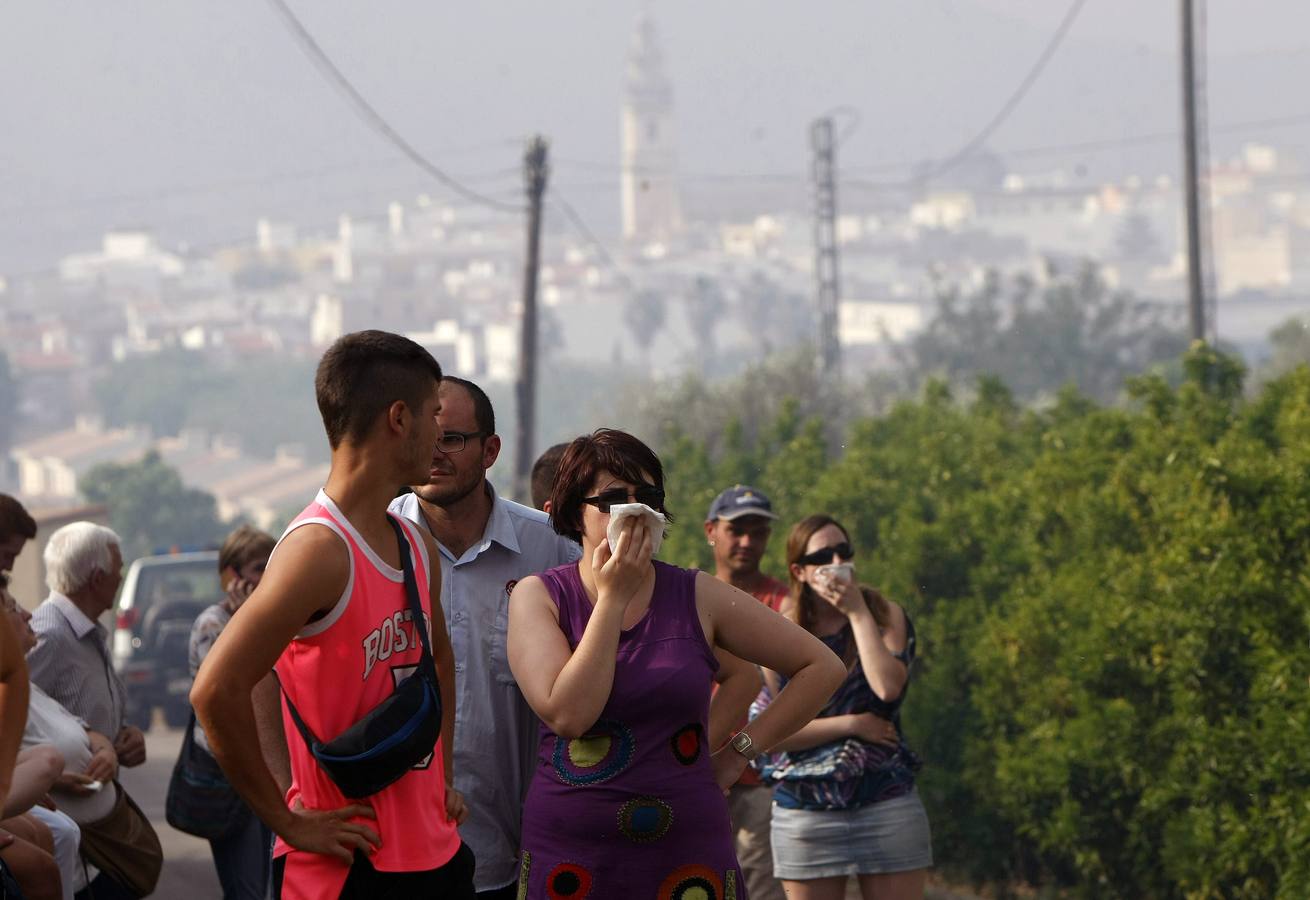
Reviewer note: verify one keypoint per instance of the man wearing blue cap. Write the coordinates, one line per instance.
(738, 527)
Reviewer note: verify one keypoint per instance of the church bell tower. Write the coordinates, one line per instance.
(651, 211)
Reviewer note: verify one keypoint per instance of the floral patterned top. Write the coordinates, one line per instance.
(847, 773)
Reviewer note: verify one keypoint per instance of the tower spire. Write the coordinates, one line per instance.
(651, 209)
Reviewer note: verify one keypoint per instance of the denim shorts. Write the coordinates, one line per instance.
(891, 836)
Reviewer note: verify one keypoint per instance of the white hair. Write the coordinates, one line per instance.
(76, 552)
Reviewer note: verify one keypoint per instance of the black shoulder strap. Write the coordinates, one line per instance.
(420, 625)
(411, 593)
(305, 733)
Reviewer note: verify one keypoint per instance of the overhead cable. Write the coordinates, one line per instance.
(1015, 98)
(371, 116)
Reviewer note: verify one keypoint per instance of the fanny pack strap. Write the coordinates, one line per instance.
(411, 594)
(427, 666)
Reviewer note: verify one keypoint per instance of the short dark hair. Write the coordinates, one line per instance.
(604, 450)
(543, 474)
(15, 519)
(483, 414)
(363, 373)
(243, 546)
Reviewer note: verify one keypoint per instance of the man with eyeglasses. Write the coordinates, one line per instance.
(738, 527)
(487, 544)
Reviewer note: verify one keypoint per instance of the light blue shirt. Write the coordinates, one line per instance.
(495, 729)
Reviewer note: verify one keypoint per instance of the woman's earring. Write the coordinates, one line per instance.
(711, 543)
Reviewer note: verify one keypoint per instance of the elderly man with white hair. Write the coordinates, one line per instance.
(70, 662)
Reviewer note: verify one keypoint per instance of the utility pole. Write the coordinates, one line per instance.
(826, 274)
(1192, 178)
(535, 171)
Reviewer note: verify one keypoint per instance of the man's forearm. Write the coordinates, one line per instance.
(731, 702)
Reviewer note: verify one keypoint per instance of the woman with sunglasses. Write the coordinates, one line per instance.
(617, 653)
(844, 801)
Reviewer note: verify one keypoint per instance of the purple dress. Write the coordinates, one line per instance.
(630, 810)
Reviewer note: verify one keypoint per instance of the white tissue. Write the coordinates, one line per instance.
(838, 572)
(654, 521)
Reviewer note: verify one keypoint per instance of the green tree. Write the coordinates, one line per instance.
(150, 507)
(1074, 330)
(1112, 608)
(264, 402)
(645, 315)
(704, 308)
(1289, 346)
(1137, 241)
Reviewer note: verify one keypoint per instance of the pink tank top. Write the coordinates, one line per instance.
(336, 670)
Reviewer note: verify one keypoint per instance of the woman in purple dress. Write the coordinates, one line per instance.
(616, 654)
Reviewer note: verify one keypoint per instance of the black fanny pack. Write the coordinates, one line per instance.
(399, 732)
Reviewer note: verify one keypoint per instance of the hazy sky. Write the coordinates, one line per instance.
(199, 117)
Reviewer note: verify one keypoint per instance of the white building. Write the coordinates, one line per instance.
(871, 322)
(126, 258)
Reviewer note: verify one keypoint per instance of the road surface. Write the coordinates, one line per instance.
(188, 867)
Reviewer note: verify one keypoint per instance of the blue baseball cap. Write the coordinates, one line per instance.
(739, 501)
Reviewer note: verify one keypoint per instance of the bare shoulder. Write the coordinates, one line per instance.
(312, 560)
(896, 634)
(311, 538)
(719, 592)
(530, 590)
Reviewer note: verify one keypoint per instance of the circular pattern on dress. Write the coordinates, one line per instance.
(645, 819)
(600, 754)
(691, 883)
(568, 881)
(687, 742)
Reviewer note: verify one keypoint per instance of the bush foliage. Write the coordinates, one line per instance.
(1113, 606)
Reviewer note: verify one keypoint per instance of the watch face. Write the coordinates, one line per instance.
(742, 742)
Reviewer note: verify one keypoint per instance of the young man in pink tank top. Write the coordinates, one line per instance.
(331, 615)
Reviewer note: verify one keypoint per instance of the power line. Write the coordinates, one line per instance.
(1036, 151)
(1153, 137)
(371, 116)
(1033, 151)
(1016, 97)
(174, 192)
(587, 235)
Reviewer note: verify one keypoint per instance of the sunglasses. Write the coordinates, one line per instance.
(825, 555)
(647, 494)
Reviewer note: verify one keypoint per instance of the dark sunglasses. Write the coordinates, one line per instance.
(647, 494)
(825, 555)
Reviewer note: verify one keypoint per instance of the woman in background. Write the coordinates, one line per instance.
(243, 859)
(844, 796)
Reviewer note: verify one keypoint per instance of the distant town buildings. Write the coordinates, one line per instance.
(710, 291)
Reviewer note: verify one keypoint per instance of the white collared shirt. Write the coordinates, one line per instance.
(495, 730)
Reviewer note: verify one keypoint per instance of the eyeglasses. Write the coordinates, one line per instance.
(647, 494)
(825, 555)
(453, 441)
